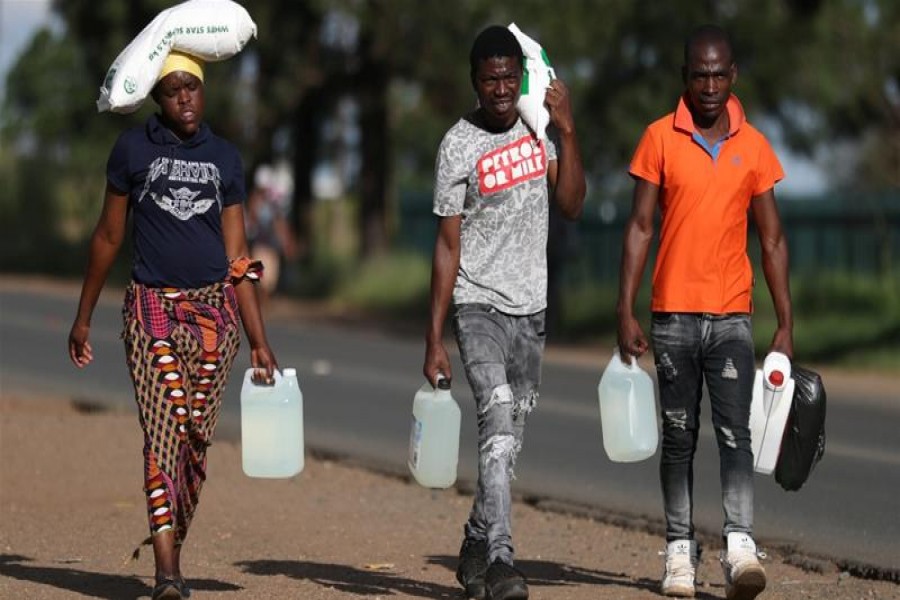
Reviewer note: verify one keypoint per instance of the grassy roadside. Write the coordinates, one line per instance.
(841, 320)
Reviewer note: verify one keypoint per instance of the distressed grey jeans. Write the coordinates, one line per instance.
(690, 348)
(502, 358)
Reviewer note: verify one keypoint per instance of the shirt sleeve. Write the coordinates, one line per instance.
(450, 179)
(647, 160)
(233, 181)
(118, 173)
(769, 171)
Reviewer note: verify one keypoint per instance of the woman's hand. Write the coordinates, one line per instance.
(80, 350)
(105, 243)
(263, 360)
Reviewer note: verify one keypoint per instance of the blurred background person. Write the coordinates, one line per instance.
(269, 233)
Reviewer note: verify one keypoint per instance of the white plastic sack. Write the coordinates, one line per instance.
(537, 77)
(212, 30)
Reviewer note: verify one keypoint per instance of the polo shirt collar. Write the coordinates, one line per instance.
(684, 120)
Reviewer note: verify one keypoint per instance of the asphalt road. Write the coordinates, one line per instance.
(358, 386)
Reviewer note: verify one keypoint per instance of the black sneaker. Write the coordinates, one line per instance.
(472, 567)
(504, 582)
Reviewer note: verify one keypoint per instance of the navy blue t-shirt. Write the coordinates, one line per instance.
(177, 190)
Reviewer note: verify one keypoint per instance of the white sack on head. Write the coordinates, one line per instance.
(211, 30)
(536, 78)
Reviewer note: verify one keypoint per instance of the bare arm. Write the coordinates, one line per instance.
(444, 268)
(566, 174)
(261, 356)
(105, 243)
(636, 246)
(775, 268)
(285, 237)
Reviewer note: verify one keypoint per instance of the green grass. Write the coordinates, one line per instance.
(844, 293)
(839, 319)
(393, 285)
(586, 309)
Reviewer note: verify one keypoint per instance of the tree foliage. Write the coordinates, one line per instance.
(827, 71)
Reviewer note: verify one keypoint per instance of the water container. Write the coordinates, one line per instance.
(627, 411)
(434, 436)
(272, 426)
(773, 392)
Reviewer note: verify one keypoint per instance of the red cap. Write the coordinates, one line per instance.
(776, 377)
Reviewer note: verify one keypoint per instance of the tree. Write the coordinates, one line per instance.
(827, 70)
(52, 188)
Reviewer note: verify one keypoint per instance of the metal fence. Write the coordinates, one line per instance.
(858, 233)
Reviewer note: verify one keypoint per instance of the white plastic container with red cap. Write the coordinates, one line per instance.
(773, 392)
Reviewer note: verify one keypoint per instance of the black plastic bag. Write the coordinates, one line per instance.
(803, 443)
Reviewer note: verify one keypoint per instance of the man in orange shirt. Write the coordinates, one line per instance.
(705, 167)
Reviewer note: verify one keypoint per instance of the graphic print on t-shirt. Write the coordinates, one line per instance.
(181, 202)
(504, 167)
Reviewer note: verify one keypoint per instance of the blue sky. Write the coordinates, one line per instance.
(18, 21)
(20, 18)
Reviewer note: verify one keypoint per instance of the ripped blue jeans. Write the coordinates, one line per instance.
(688, 349)
(502, 358)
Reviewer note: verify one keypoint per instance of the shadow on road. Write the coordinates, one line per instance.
(349, 579)
(542, 573)
(93, 585)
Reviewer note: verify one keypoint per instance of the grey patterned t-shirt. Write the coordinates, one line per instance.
(498, 183)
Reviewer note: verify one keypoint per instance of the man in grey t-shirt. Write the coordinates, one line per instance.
(494, 181)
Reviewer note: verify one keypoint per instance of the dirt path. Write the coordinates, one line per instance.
(72, 510)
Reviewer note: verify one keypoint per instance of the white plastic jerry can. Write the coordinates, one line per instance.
(773, 392)
(434, 436)
(272, 426)
(628, 415)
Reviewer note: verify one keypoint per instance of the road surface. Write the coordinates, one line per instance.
(358, 384)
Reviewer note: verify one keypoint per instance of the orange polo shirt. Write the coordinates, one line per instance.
(705, 192)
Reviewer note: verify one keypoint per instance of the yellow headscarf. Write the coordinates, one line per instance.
(179, 61)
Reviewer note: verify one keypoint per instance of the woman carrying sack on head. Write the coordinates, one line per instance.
(191, 288)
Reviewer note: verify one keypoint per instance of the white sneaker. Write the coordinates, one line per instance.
(681, 567)
(744, 576)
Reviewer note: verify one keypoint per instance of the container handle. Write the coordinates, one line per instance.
(251, 375)
(629, 361)
(443, 383)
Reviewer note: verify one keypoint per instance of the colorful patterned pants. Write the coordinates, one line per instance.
(180, 345)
